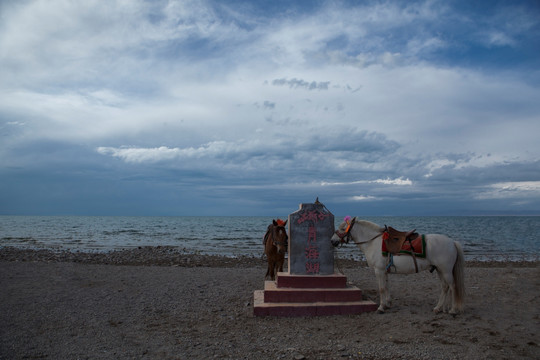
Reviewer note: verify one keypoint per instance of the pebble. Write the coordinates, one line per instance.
(147, 255)
(245, 337)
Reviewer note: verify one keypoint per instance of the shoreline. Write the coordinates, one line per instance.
(173, 256)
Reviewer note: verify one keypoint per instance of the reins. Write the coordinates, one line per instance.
(347, 235)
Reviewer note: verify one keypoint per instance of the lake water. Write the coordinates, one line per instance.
(482, 237)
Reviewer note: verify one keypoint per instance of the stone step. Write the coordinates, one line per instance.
(262, 308)
(272, 293)
(286, 280)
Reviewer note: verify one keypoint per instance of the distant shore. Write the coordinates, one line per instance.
(164, 303)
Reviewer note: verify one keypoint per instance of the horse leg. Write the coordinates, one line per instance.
(448, 303)
(281, 261)
(271, 267)
(452, 281)
(382, 279)
(443, 298)
(267, 271)
(276, 269)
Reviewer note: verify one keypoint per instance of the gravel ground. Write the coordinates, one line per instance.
(161, 303)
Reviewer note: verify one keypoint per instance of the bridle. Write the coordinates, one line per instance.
(275, 242)
(346, 236)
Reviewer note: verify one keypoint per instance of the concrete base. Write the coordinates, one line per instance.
(286, 280)
(309, 295)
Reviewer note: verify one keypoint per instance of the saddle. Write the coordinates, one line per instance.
(394, 240)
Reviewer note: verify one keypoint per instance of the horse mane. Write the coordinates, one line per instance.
(369, 225)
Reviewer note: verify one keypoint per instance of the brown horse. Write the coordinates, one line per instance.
(275, 246)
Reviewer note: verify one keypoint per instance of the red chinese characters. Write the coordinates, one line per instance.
(312, 215)
(312, 251)
(312, 268)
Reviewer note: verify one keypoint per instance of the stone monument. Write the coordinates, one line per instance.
(310, 287)
(310, 250)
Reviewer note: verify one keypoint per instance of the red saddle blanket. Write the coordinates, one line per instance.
(419, 245)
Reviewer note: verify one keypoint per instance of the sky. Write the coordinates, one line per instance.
(217, 108)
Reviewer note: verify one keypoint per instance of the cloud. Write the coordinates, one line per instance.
(269, 105)
(399, 182)
(362, 198)
(298, 83)
(138, 155)
(419, 100)
(500, 39)
(213, 150)
(524, 190)
(352, 149)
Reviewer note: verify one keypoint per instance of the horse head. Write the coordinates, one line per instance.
(343, 233)
(279, 235)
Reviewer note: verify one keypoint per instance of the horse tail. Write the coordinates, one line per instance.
(459, 277)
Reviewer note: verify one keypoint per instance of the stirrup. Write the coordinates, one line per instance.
(390, 263)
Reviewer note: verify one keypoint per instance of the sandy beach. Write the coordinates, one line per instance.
(157, 303)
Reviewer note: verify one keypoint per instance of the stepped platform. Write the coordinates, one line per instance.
(309, 295)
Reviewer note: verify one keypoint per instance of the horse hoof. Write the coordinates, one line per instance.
(379, 311)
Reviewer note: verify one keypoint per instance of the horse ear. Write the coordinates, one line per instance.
(285, 223)
(353, 220)
(274, 222)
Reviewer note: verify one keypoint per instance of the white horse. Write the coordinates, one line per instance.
(442, 253)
